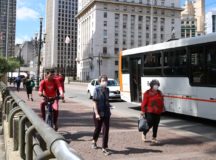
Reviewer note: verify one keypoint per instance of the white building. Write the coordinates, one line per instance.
(61, 23)
(107, 26)
(211, 22)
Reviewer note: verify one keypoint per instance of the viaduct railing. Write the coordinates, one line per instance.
(32, 137)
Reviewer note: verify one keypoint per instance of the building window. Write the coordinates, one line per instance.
(105, 6)
(105, 23)
(173, 21)
(105, 40)
(105, 33)
(116, 63)
(105, 14)
(104, 50)
(124, 42)
(172, 4)
(140, 18)
(116, 51)
(162, 2)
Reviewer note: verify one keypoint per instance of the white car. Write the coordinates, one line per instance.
(112, 84)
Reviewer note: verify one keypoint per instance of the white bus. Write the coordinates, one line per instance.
(186, 69)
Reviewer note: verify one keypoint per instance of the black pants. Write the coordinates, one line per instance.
(153, 121)
(98, 125)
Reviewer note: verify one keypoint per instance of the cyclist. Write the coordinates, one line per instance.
(49, 87)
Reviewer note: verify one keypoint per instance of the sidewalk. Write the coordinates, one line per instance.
(76, 125)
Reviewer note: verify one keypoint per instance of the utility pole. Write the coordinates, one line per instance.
(39, 53)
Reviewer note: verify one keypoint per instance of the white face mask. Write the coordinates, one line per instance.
(104, 84)
(155, 87)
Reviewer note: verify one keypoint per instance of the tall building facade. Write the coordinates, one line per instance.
(7, 27)
(107, 26)
(211, 22)
(61, 23)
(193, 18)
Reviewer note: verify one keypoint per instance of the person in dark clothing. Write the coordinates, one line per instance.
(18, 82)
(101, 114)
(29, 83)
(152, 107)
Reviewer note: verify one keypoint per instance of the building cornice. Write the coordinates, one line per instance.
(92, 2)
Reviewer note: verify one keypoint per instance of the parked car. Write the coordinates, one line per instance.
(112, 84)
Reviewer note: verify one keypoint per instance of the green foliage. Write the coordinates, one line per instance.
(3, 65)
(9, 65)
(13, 63)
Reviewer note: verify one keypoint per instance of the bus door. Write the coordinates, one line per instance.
(135, 79)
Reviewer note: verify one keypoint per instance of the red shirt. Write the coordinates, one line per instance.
(152, 102)
(49, 88)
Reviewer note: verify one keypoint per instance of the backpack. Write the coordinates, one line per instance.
(32, 84)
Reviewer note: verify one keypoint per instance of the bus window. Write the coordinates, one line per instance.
(197, 63)
(152, 64)
(175, 63)
(125, 64)
(211, 64)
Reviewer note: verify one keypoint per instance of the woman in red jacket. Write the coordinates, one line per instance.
(152, 107)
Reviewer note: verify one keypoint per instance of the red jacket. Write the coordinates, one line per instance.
(49, 88)
(152, 102)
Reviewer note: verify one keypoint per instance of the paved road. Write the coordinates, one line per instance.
(179, 139)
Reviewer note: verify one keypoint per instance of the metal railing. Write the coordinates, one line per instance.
(34, 139)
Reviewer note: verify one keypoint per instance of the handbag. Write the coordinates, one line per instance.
(142, 124)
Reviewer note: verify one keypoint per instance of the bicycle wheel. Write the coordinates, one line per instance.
(49, 120)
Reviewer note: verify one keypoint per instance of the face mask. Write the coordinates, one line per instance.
(103, 84)
(155, 87)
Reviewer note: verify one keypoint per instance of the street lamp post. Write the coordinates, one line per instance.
(67, 41)
(99, 64)
(39, 53)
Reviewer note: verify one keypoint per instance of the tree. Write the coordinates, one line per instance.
(8, 65)
(13, 63)
(3, 65)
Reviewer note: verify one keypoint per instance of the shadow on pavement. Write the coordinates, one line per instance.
(76, 136)
(130, 150)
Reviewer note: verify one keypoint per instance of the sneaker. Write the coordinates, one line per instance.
(154, 141)
(105, 151)
(144, 138)
(94, 145)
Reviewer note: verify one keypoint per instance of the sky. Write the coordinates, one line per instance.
(29, 12)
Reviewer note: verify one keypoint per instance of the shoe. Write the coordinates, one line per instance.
(31, 99)
(63, 101)
(105, 151)
(56, 127)
(144, 138)
(154, 141)
(94, 145)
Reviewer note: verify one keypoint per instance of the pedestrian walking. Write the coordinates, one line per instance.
(29, 83)
(18, 82)
(60, 78)
(101, 115)
(152, 107)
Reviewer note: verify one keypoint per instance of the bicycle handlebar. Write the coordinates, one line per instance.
(51, 98)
